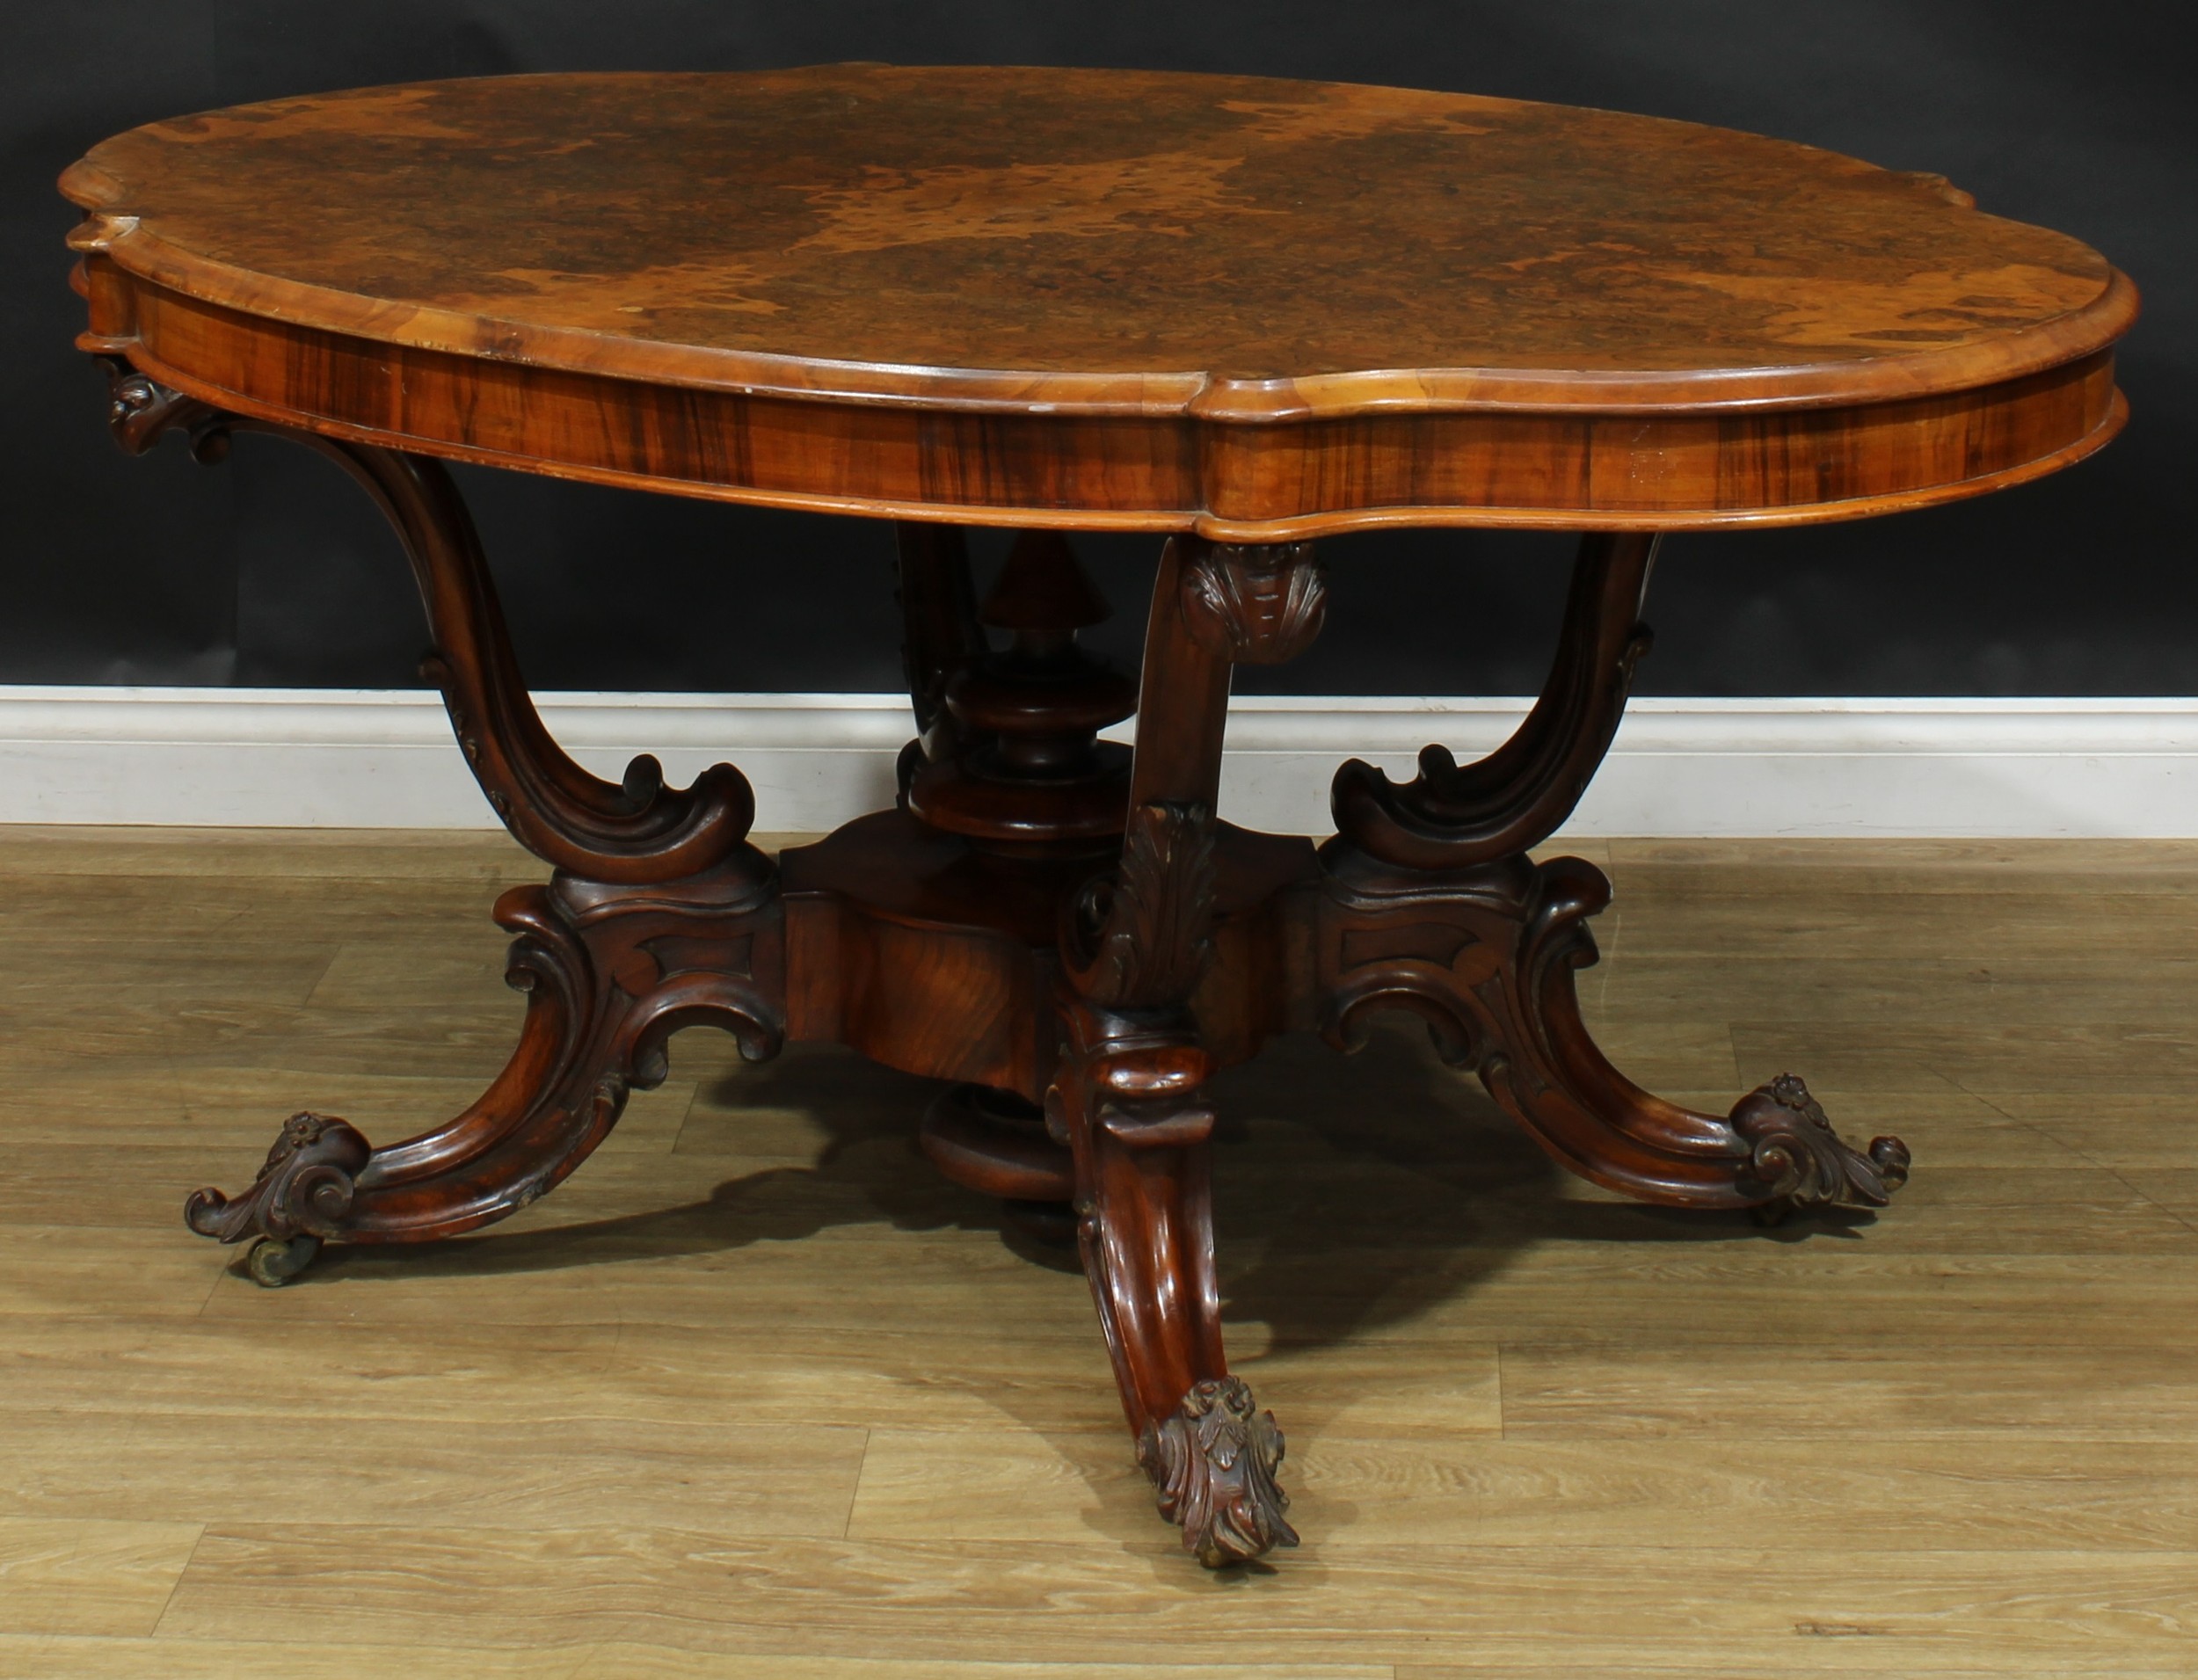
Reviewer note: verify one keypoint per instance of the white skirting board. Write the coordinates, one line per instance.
(384, 758)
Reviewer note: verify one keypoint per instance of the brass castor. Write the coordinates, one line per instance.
(273, 1263)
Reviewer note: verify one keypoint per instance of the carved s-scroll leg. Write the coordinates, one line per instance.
(1128, 1097)
(1452, 815)
(661, 914)
(1431, 904)
(635, 831)
(607, 980)
(1488, 956)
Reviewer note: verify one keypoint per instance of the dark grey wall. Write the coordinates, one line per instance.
(271, 570)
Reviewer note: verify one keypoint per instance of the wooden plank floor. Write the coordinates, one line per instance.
(755, 1394)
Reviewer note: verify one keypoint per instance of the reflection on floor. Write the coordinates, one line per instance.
(757, 1394)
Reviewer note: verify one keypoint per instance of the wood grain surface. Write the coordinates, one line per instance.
(1254, 308)
(757, 1394)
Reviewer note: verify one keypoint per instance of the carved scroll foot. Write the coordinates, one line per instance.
(1212, 1466)
(301, 1196)
(1802, 1163)
(1141, 1134)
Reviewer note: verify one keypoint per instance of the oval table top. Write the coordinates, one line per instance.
(1259, 309)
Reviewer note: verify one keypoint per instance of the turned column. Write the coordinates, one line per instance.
(1013, 760)
(1007, 756)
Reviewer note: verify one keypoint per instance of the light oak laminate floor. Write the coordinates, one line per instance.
(756, 1394)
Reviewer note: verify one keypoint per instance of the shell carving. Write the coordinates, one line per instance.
(1256, 605)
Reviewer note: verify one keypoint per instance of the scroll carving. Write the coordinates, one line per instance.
(635, 831)
(301, 1197)
(1448, 849)
(1797, 1161)
(1453, 816)
(1261, 605)
(304, 1188)
(1505, 1004)
(1213, 1466)
(140, 409)
(609, 974)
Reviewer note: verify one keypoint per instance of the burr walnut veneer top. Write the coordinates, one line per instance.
(1249, 305)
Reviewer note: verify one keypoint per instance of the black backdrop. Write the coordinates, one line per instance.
(272, 571)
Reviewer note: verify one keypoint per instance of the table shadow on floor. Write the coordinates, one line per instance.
(1352, 1192)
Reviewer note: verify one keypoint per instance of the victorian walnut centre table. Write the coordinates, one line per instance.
(1242, 313)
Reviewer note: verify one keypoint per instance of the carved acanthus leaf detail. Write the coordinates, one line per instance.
(1256, 605)
(304, 1189)
(1142, 939)
(1213, 1466)
(1797, 1161)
